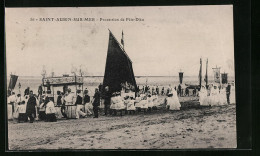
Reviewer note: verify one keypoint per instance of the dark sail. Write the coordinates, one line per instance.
(118, 67)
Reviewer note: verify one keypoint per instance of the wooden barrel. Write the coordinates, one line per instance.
(71, 111)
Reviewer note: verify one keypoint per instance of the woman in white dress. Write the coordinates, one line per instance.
(222, 97)
(214, 98)
(150, 102)
(232, 94)
(203, 96)
(131, 105)
(172, 101)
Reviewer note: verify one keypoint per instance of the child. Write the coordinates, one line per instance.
(42, 114)
(126, 101)
(144, 103)
(120, 103)
(155, 101)
(113, 103)
(150, 102)
(138, 106)
(22, 112)
(50, 111)
(131, 106)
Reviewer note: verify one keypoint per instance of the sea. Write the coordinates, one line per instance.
(92, 82)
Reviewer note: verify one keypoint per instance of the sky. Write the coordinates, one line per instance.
(169, 39)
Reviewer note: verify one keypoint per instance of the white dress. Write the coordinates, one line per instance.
(119, 103)
(131, 105)
(214, 97)
(232, 95)
(50, 109)
(203, 97)
(113, 102)
(150, 102)
(176, 98)
(155, 100)
(173, 103)
(222, 97)
(144, 103)
(137, 102)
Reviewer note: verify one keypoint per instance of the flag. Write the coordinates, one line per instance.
(216, 74)
(12, 83)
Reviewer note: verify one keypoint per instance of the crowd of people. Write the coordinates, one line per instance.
(217, 95)
(45, 107)
(181, 91)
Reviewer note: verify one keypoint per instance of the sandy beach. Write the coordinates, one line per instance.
(191, 127)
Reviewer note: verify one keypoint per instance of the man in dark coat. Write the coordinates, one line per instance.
(107, 97)
(100, 87)
(30, 108)
(187, 92)
(157, 90)
(179, 90)
(96, 103)
(228, 92)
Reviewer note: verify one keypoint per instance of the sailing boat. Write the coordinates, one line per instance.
(118, 68)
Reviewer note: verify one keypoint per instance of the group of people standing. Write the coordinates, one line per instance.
(143, 100)
(42, 107)
(24, 108)
(217, 95)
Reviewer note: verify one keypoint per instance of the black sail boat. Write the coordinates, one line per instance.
(118, 68)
